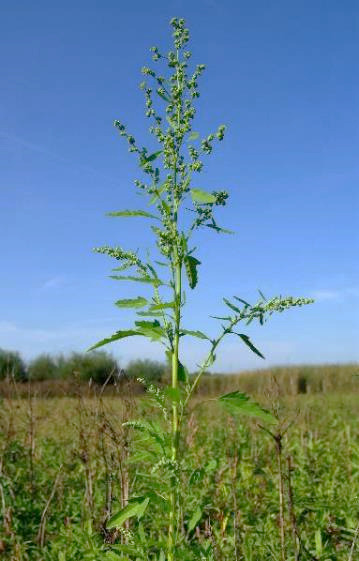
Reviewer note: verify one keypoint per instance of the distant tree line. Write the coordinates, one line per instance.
(96, 366)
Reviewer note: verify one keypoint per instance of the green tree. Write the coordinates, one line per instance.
(43, 367)
(149, 370)
(12, 366)
(97, 366)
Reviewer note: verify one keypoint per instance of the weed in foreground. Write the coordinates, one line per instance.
(180, 209)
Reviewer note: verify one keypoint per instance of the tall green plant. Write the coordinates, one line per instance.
(180, 209)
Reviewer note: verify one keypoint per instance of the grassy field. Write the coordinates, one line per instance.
(65, 466)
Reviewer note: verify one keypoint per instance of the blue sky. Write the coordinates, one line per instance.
(282, 75)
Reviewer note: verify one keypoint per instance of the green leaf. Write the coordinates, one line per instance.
(166, 208)
(154, 431)
(115, 337)
(242, 403)
(242, 301)
(148, 280)
(163, 96)
(191, 264)
(219, 229)
(151, 329)
(249, 344)
(318, 543)
(174, 394)
(123, 267)
(158, 192)
(211, 360)
(162, 306)
(195, 519)
(151, 157)
(132, 213)
(136, 507)
(196, 476)
(149, 314)
(262, 295)
(232, 306)
(197, 334)
(183, 374)
(193, 136)
(138, 302)
(202, 197)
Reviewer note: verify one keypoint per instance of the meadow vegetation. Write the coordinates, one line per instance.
(249, 493)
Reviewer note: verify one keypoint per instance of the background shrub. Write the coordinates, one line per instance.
(97, 366)
(44, 367)
(12, 366)
(150, 370)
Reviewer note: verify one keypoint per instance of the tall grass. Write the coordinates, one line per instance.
(65, 468)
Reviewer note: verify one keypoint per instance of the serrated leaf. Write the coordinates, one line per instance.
(138, 302)
(150, 428)
(115, 337)
(195, 519)
(151, 329)
(147, 280)
(191, 264)
(240, 402)
(249, 344)
(122, 267)
(132, 213)
(193, 136)
(162, 306)
(149, 314)
(136, 507)
(196, 333)
(202, 197)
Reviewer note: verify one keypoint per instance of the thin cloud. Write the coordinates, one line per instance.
(322, 295)
(341, 294)
(55, 282)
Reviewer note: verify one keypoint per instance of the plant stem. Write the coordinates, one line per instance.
(278, 441)
(293, 518)
(356, 533)
(175, 354)
(175, 433)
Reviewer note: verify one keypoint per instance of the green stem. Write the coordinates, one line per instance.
(175, 424)
(175, 356)
(208, 362)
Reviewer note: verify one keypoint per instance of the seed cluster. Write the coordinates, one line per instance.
(181, 150)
